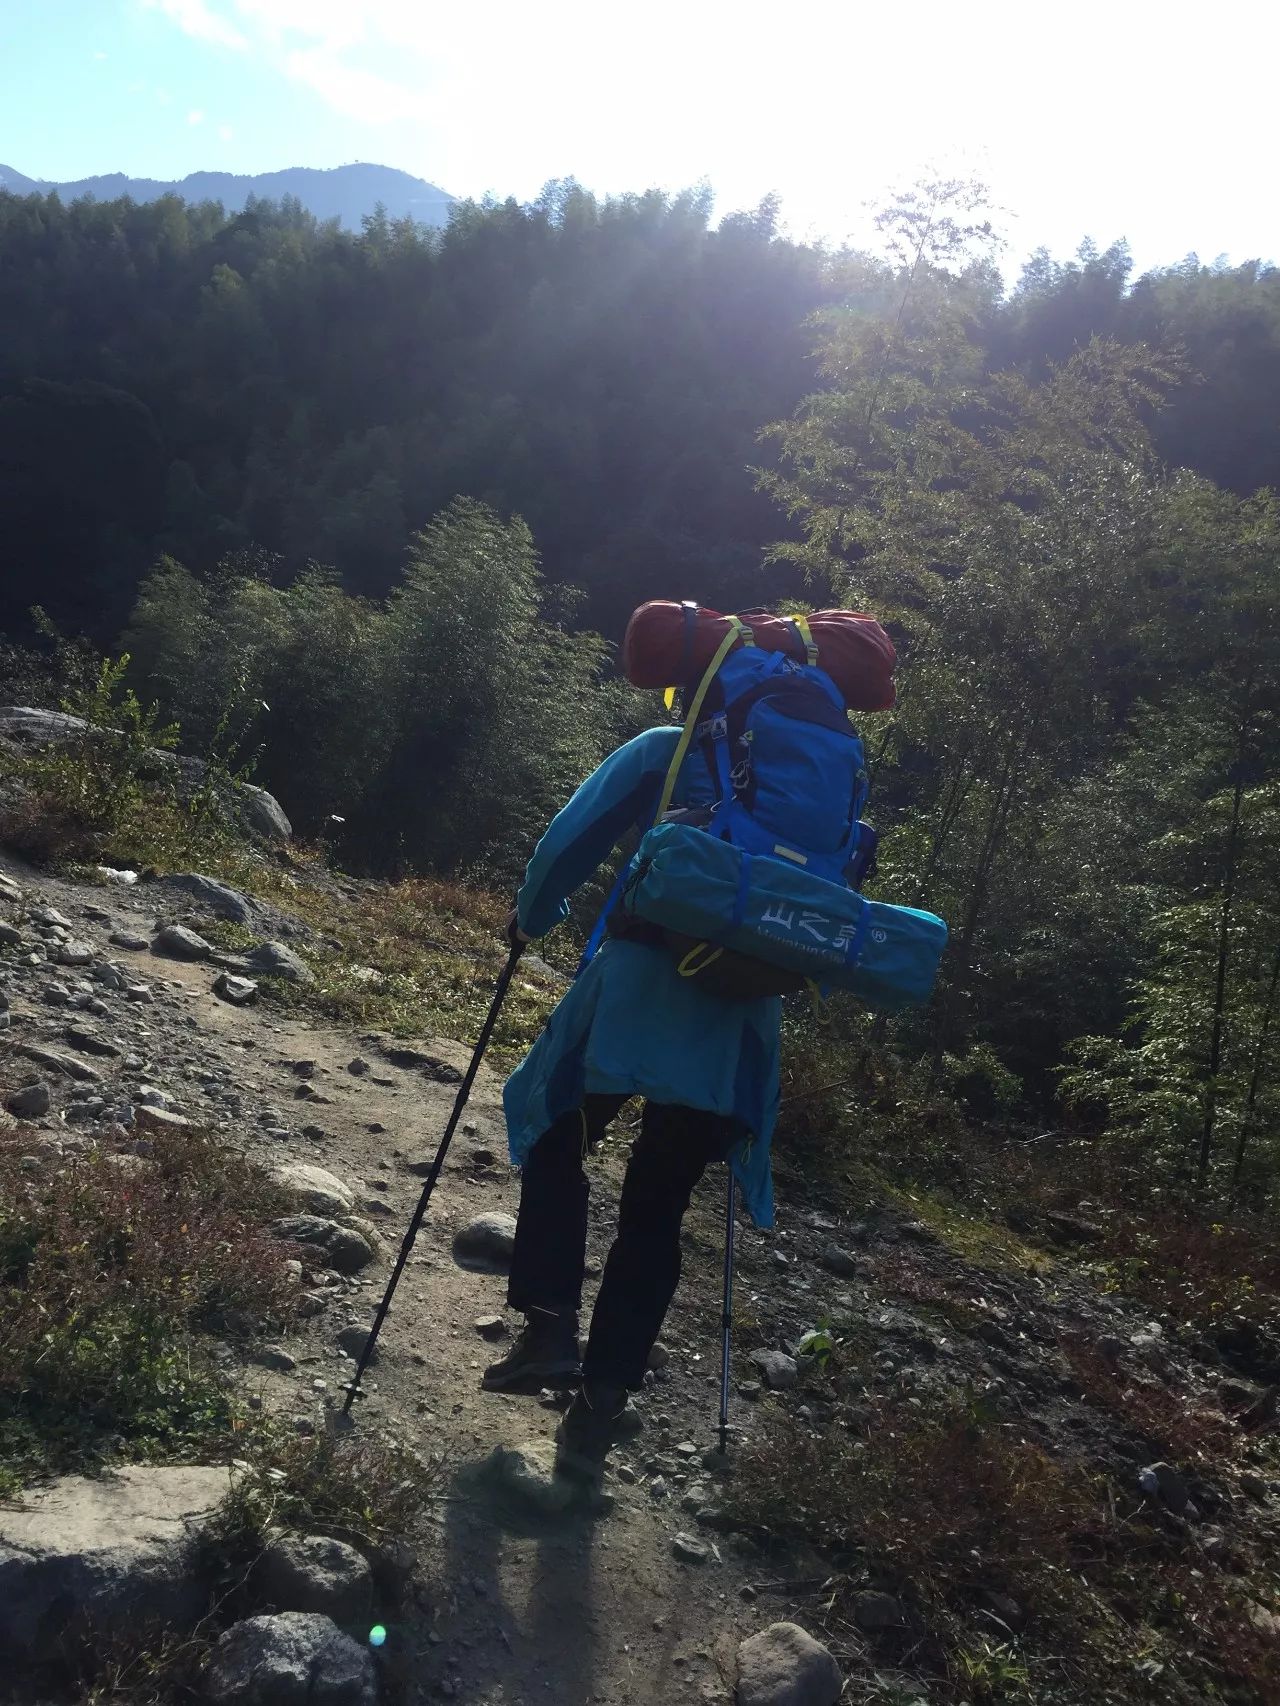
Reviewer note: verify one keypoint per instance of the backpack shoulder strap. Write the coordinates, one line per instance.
(738, 630)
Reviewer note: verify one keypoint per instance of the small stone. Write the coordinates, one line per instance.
(159, 1119)
(151, 1096)
(486, 1243)
(659, 1356)
(490, 1326)
(313, 1190)
(50, 917)
(236, 991)
(129, 940)
(689, 1549)
(344, 1247)
(140, 993)
(89, 1042)
(315, 1573)
(358, 1067)
(1163, 1481)
(876, 1611)
(353, 1339)
(785, 1666)
(779, 1370)
(179, 943)
(74, 954)
(276, 1358)
(838, 1261)
(529, 1471)
(10, 937)
(749, 1389)
(32, 1102)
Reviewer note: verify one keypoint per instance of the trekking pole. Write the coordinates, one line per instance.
(464, 1090)
(726, 1317)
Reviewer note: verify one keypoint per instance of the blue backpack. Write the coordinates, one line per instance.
(753, 883)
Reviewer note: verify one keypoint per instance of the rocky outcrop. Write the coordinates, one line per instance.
(81, 1552)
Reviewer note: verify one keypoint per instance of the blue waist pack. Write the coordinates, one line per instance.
(712, 898)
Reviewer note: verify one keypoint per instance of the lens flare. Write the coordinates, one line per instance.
(377, 1635)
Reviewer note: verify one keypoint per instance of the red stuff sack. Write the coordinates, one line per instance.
(671, 645)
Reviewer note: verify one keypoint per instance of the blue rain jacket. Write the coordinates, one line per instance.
(630, 1024)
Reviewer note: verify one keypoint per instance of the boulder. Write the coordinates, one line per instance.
(689, 1549)
(262, 814)
(213, 897)
(341, 1247)
(179, 943)
(158, 1119)
(295, 1658)
(486, 1243)
(67, 1066)
(785, 1666)
(313, 1190)
(315, 1573)
(273, 959)
(117, 1550)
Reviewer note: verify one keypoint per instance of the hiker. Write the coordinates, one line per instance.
(688, 1035)
(630, 1025)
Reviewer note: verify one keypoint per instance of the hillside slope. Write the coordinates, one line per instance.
(346, 193)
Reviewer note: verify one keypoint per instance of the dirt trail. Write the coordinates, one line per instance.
(518, 1606)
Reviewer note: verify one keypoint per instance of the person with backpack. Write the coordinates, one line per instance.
(768, 767)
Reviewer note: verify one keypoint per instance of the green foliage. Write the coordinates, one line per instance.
(442, 727)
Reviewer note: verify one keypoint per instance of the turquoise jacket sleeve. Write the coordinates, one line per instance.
(621, 795)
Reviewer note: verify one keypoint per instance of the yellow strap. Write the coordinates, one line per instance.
(738, 631)
(806, 634)
(692, 963)
(669, 697)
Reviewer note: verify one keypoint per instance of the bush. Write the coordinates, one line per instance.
(108, 1263)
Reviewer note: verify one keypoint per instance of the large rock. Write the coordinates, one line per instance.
(785, 1666)
(487, 1243)
(213, 897)
(313, 1190)
(312, 1572)
(236, 991)
(296, 1658)
(28, 726)
(119, 1550)
(273, 959)
(32, 1102)
(262, 814)
(341, 1247)
(179, 943)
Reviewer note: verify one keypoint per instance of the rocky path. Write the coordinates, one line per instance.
(631, 1601)
(646, 1597)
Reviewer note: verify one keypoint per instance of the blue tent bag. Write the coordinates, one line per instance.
(699, 886)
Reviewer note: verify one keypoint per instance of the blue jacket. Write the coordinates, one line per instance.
(630, 1024)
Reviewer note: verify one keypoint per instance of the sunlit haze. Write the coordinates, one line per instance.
(1142, 121)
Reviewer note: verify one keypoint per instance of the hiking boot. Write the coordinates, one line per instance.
(592, 1423)
(545, 1354)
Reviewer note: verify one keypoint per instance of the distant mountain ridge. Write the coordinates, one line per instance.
(346, 193)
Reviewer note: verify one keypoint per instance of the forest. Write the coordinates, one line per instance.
(370, 510)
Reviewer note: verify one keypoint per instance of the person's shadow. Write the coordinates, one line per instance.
(519, 1580)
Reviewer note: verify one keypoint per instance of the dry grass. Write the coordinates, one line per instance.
(110, 1265)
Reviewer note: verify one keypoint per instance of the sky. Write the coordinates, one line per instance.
(1151, 122)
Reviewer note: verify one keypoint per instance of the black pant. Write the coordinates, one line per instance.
(643, 1269)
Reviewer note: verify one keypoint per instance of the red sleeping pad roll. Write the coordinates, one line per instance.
(660, 650)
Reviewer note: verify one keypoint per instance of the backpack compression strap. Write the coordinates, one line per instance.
(803, 633)
(737, 631)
